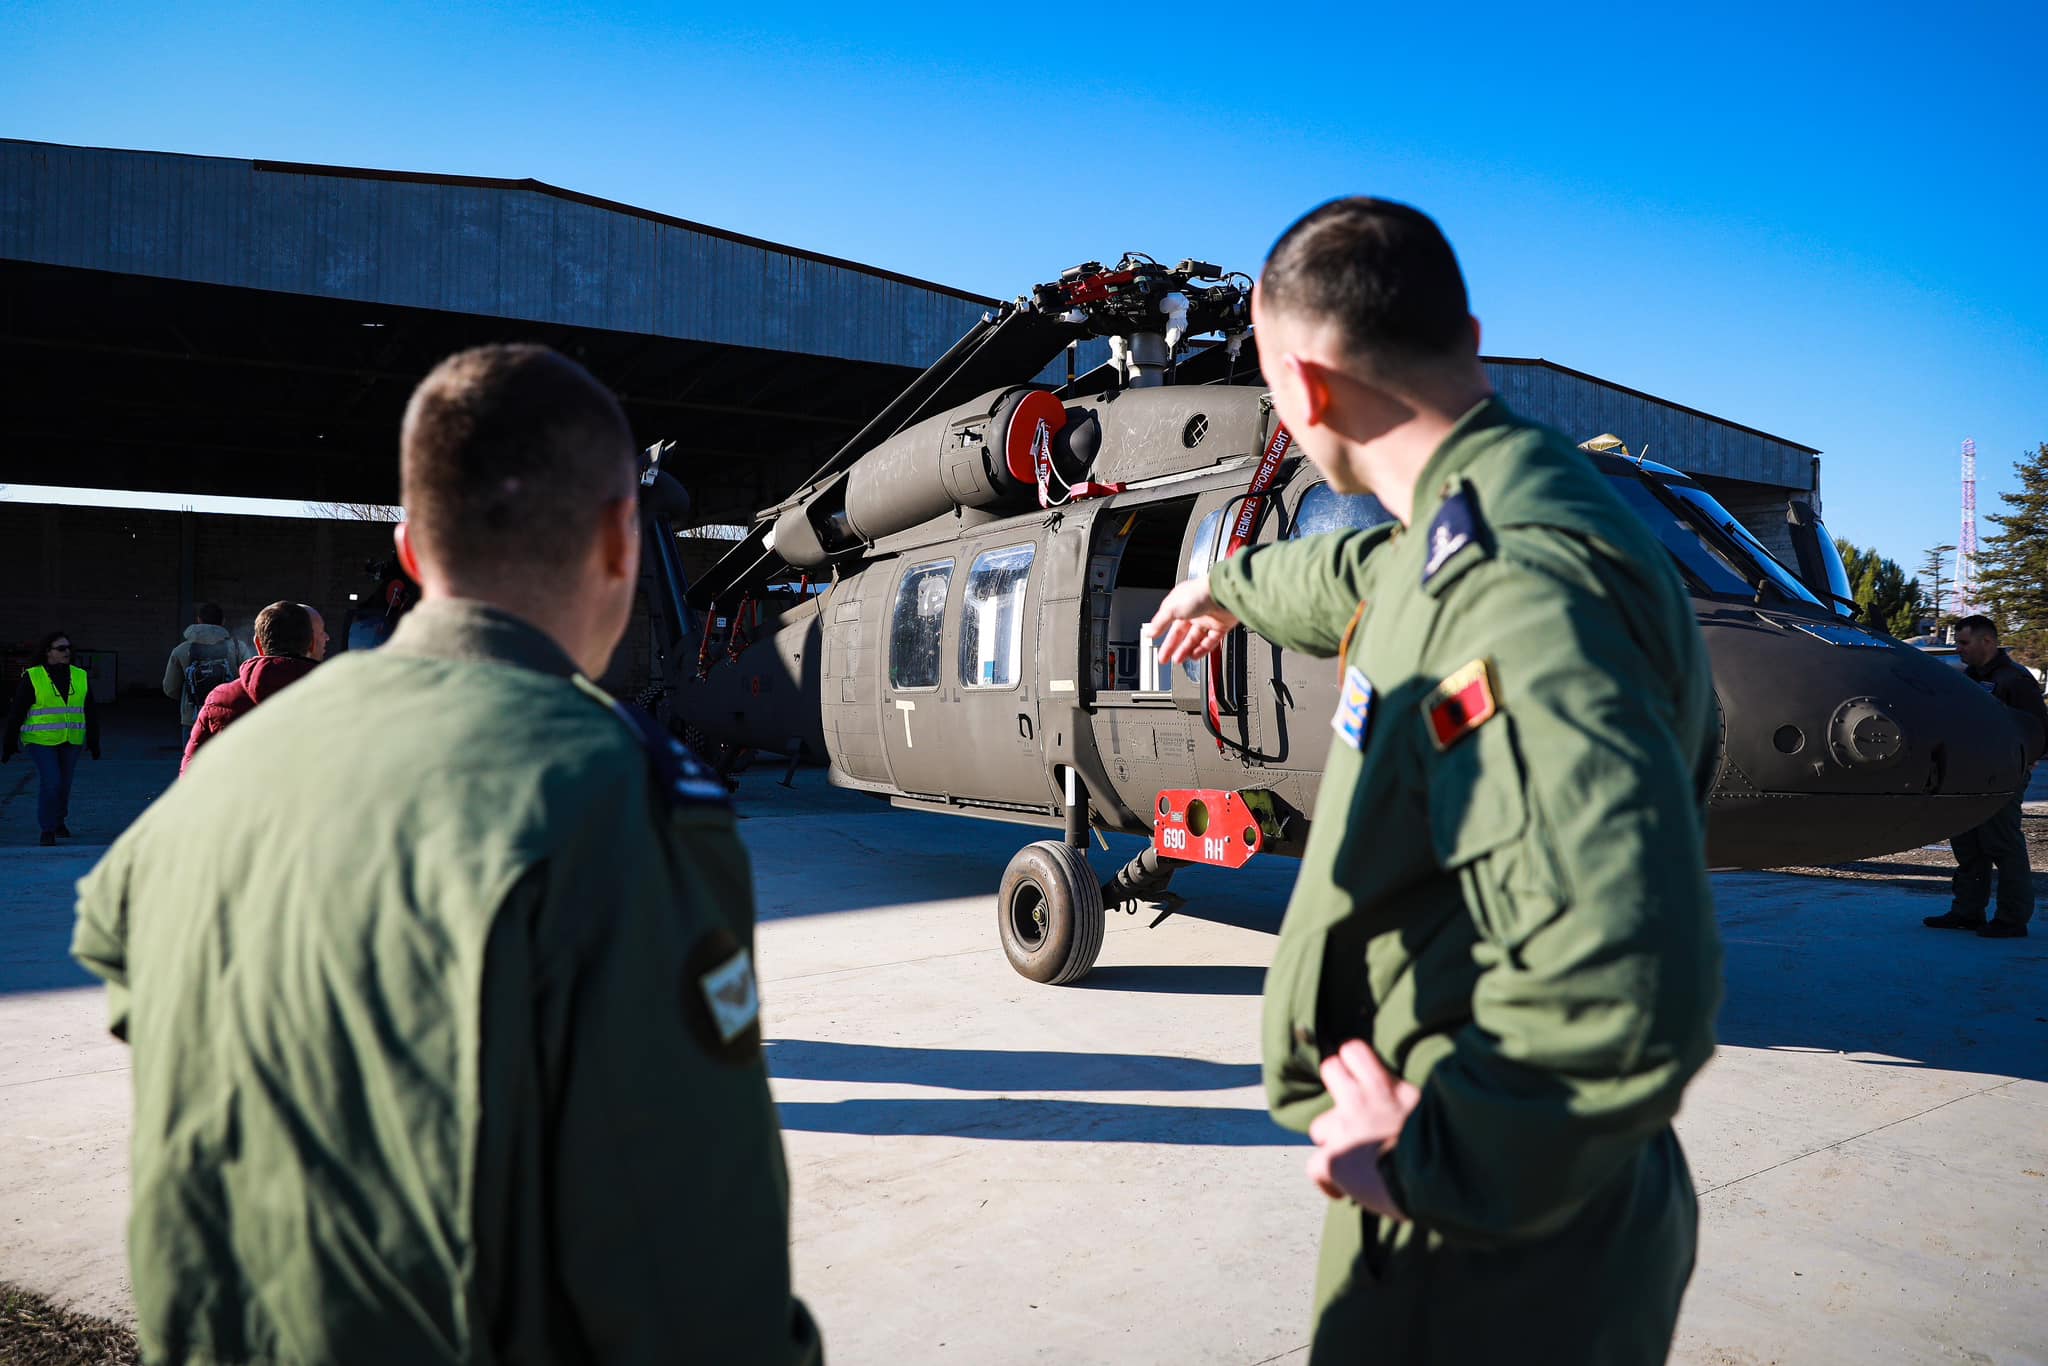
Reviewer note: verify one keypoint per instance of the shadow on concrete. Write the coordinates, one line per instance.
(1041, 1121)
(829, 853)
(988, 1069)
(1249, 908)
(820, 850)
(37, 885)
(1183, 979)
(36, 917)
(835, 881)
(38, 958)
(1907, 877)
(1845, 966)
(1893, 878)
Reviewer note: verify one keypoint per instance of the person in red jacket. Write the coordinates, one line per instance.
(290, 639)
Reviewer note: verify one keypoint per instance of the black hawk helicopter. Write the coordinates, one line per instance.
(948, 613)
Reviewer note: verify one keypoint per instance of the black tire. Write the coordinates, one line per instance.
(1049, 913)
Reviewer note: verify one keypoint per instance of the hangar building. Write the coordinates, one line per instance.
(196, 327)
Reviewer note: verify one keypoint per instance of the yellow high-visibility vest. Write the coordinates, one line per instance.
(55, 720)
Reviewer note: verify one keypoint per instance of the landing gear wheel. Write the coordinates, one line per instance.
(1049, 913)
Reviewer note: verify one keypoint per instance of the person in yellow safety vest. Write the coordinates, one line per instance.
(53, 717)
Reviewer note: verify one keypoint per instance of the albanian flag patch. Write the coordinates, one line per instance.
(1461, 704)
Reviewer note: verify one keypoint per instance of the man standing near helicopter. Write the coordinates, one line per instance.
(1499, 968)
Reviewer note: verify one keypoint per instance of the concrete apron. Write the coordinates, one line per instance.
(983, 1169)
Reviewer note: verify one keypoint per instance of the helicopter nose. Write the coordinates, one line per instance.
(1846, 746)
(1863, 733)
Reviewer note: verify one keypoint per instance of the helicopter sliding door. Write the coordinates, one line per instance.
(960, 702)
(1146, 743)
(1269, 728)
(1227, 704)
(1296, 736)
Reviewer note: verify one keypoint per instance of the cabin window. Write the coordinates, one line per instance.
(1203, 552)
(1202, 555)
(1711, 511)
(1324, 509)
(992, 618)
(1705, 565)
(916, 625)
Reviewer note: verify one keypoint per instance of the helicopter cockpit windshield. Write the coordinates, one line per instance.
(1718, 554)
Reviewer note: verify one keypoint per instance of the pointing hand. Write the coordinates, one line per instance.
(1190, 624)
(1371, 1106)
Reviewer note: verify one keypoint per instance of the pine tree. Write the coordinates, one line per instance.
(1885, 598)
(2012, 565)
(1934, 573)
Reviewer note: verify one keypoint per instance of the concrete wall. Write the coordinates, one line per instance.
(123, 582)
(119, 580)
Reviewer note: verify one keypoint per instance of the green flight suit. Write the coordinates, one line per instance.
(444, 1050)
(1518, 921)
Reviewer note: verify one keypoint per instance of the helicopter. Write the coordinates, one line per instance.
(950, 612)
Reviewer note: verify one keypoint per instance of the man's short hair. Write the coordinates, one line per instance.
(209, 614)
(284, 628)
(1979, 625)
(507, 455)
(1383, 273)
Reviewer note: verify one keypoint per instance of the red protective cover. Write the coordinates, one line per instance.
(1229, 832)
(1038, 405)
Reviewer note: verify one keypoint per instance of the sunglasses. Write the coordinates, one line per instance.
(63, 649)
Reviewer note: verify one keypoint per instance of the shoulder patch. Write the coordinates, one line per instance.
(1461, 704)
(1455, 539)
(684, 779)
(721, 998)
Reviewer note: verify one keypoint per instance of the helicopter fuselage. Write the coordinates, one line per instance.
(988, 660)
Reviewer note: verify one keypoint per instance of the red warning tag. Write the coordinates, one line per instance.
(1461, 704)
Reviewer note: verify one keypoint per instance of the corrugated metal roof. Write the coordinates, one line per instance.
(502, 248)
(1584, 406)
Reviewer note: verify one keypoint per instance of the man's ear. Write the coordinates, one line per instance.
(619, 538)
(401, 536)
(1313, 379)
(1474, 320)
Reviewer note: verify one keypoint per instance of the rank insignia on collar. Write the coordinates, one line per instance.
(1461, 704)
(683, 779)
(1453, 528)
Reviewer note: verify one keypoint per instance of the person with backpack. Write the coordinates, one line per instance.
(207, 657)
(290, 639)
(53, 717)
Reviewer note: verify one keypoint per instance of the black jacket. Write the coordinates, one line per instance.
(17, 716)
(2015, 687)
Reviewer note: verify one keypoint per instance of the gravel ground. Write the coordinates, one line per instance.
(34, 1332)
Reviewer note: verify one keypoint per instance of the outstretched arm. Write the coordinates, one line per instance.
(1300, 595)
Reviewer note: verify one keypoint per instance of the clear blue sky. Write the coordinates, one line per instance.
(1826, 222)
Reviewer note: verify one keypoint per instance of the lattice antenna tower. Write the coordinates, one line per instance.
(1966, 544)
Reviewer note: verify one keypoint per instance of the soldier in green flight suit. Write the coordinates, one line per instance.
(1499, 968)
(438, 970)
